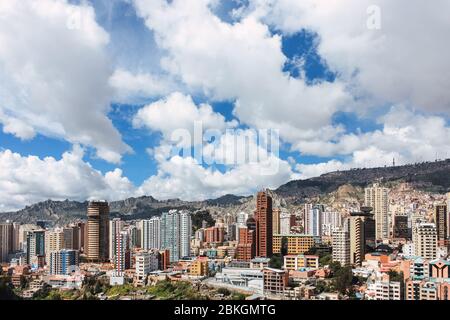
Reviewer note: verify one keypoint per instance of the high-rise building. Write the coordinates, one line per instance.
(176, 231)
(441, 219)
(122, 255)
(264, 228)
(242, 218)
(377, 198)
(360, 227)
(151, 233)
(63, 262)
(72, 237)
(214, 235)
(97, 247)
(341, 246)
(356, 235)
(246, 247)
(276, 216)
(35, 247)
(315, 220)
(306, 218)
(400, 227)
(425, 241)
(185, 234)
(115, 228)
(135, 236)
(54, 241)
(330, 221)
(6, 240)
(287, 221)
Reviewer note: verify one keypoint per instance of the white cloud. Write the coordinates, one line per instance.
(54, 71)
(28, 179)
(406, 136)
(186, 179)
(243, 62)
(403, 62)
(178, 111)
(139, 86)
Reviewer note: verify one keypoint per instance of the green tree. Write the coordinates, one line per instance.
(326, 260)
(343, 280)
(6, 292)
(335, 266)
(276, 261)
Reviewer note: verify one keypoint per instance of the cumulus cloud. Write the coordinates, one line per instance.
(185, 178)
(54, 71)
(28, 179)
(407, 137)
(242, 62)
(404, 61)
(130, 87)
(178, 111)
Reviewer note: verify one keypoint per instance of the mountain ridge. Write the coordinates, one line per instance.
(429, 176)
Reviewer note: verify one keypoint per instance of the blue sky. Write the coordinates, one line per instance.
(103, 103)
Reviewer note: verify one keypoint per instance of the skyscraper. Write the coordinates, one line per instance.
(151, 233)
(97, 247)
(315, 220)
(360, 227)
(306, 218)
(264, 228)
(35, 247)
(122, 255)
(276, 221)
(341, 246)
(115, 227)
(441, 219)
(54, 241)
(6, 240)
(356, 236)
(287, 221)
(185, 234)
(377, 198)
(176, 230)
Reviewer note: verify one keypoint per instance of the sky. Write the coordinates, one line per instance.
(109, 99)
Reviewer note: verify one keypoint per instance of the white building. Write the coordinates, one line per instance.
(341, 246)
(176, 232)
(285, 223)
(151, 233)
(122, 252)
(383, 290)
(146, 262)
(185, 234)
(315, 221)
(115, 227)
(425, 241)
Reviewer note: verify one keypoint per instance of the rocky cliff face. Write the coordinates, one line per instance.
(333, 187)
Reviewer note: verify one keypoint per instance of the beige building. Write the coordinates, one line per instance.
(425, 241)
(341, 246)
(54, 241)
(377, 198)
(357, 243)
(296, 243)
